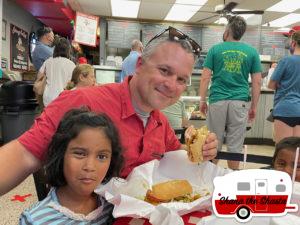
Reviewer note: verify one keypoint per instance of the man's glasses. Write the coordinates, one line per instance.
(176, 35)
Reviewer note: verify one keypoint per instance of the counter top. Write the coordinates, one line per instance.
(104, 67)
(265, 90)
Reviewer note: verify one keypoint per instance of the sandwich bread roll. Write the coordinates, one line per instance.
(167, 191)
(195, 144)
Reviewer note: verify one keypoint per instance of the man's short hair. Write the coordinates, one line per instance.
(237, 27)
(42, 31)
(151, 47)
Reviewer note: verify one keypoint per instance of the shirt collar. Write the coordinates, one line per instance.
(127, 108)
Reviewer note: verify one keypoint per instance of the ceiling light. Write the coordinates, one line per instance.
(245, 16)
(183, 10)
(283, 29)
(285, 6)
(125, 8)
(222, 20)
(284, 21)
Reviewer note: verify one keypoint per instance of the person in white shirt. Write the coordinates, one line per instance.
(58, 70)
(270, 72)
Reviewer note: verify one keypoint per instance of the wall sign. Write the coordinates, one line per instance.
(86, 29)
(122, 33)
(18, 48)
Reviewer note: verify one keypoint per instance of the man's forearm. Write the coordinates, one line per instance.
(255, 90)
(16, 163)
(204, 82)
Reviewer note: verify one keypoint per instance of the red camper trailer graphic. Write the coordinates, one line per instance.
(256, 192)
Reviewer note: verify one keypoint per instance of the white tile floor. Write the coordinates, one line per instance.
(10, 210)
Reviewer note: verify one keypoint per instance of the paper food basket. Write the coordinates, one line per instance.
(127, 195)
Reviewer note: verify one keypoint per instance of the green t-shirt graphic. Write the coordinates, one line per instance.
(231, 63)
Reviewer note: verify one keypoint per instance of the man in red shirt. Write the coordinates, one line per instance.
(133, 106)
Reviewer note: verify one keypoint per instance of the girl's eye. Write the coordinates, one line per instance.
(103, 157)
(280, 164)
(79, 154)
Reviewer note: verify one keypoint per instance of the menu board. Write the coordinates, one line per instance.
(150, 30)
(252, 36)
(211, 36)
(86, 29)
(122, 33)
(266, 41)
(214, 34)
(272, 43)
(19, 48)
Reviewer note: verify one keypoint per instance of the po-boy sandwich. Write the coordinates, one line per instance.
(174, 190)
(195, 143)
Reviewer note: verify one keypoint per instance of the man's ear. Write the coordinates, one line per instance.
(139, 62)
(81, 77)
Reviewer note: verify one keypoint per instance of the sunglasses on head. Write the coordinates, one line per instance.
(176, 35)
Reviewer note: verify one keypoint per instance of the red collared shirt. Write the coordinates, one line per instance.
(138, 143)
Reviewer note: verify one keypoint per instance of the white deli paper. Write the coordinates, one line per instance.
(127, 195)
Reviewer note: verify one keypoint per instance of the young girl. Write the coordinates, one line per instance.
(284, 156)
(83, 75)
(84, 152)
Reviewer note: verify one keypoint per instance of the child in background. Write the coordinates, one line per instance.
(83, 75)
(85, 151)
(284, 156)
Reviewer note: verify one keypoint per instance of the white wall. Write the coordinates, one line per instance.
(18, 16)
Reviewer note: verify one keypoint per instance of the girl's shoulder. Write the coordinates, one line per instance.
(28, 215)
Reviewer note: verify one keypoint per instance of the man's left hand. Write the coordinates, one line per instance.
(210, 147)
(251, 115)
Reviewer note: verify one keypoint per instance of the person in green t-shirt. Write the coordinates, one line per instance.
(228, 65)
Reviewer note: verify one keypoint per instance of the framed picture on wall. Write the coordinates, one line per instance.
(86, 29)
(4, 29)
(18, 48)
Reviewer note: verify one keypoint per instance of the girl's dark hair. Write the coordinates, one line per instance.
(290, 143)
(73, 122)
(62, 48)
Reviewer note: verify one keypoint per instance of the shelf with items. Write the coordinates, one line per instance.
(192, 107)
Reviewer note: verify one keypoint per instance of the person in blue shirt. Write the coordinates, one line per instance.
(286, 82)
(85, 151)
(129, 63)
(43, 49)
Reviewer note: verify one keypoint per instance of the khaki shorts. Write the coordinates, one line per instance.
(232, 115)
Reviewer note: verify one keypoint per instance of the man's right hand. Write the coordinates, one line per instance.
(203, 107)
